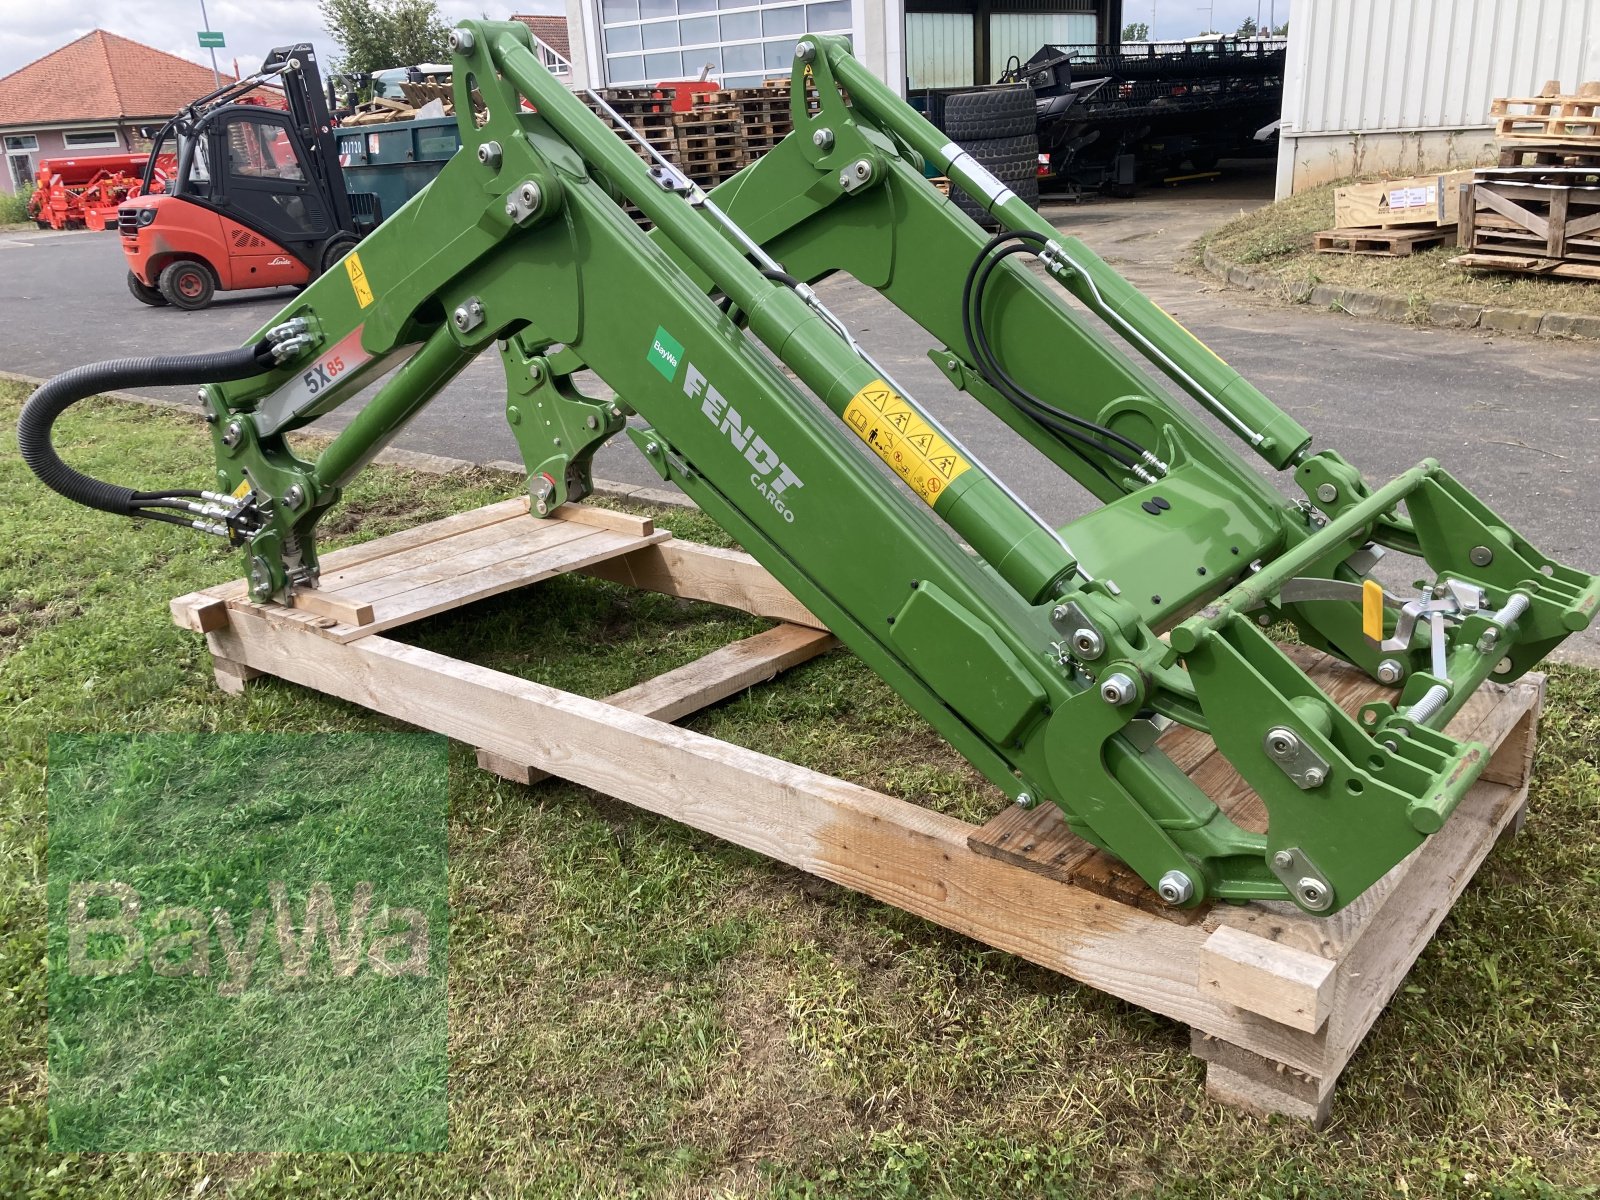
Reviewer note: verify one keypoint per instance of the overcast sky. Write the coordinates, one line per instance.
(33, 28)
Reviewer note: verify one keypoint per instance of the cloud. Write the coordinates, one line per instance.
(252, 27)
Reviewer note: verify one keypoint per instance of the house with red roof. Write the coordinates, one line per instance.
(92, 96)
(550, 35)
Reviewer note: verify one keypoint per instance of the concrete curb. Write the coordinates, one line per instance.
(428, 464)
(1387, 306)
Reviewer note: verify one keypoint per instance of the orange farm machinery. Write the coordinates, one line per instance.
(83, 192)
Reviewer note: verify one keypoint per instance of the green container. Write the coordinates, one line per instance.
(395, 162)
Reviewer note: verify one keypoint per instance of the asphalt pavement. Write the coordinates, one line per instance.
(1514, 418)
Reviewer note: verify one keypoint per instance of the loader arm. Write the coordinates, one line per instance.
(1051, 659)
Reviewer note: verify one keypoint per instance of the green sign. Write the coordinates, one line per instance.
(665, 352)
(211, 39)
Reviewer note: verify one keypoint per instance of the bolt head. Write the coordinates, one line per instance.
(1314, 776)
(1481, 556)
(1391, 671)
(1175, 887)
(1327, 493)
(822, 139)
(1117, 689)
(1283, 860)
(462, 41)
(511, 209)
(805, 51)
(1088, 643)
(1313, 893)
(1025, 800)
(529, 192)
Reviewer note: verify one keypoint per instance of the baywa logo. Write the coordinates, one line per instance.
(771, 476)
(115, 939)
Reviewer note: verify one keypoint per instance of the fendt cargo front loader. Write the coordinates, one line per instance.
(1050, 658)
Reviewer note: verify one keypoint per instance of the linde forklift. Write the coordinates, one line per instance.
(258, 199)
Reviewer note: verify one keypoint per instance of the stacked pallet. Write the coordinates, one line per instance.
(1394, 218)
(1552, 129)
(710, 142)
(763, 114)
(1533, 220)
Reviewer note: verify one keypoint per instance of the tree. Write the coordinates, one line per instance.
(377, 34)
(1136, 31)
(1281, 30)
(1248, 28)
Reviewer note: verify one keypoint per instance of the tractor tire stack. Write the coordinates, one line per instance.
(997, 126)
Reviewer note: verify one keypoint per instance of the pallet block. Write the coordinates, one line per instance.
(1277, 1000)
(1383, 242)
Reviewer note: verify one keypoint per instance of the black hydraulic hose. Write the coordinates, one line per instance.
(54, 397)
(1067, 424)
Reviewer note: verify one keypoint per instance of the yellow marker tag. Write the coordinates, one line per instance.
(243, 490)
(1372, 609)
(895, 433)
(358, 279)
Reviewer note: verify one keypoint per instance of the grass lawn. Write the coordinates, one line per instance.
(1277, 240)
(638, 1009)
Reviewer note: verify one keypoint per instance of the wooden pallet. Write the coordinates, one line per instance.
(1555, 217)
(1277, 1001)
(1527, 264)
(1551, 115)
(1385, 243)
(1545, 153)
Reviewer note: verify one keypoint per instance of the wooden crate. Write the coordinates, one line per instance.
(1541, 219)
(1277, 1001)
(1386, 243)
(1416, 200)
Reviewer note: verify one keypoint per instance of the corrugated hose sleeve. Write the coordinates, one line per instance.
(53, 398)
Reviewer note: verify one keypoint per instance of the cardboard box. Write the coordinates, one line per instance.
(1418, 200)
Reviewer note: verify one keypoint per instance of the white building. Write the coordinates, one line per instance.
(910, 43)
(1403, 86)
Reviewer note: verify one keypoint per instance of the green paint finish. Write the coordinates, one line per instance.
(739, 404)
(666, 352)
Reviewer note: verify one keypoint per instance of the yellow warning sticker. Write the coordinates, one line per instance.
(1372, 609)
(358, 279)
(894, 432)
(243, 490)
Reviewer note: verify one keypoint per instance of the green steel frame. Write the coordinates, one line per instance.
(1038, 653)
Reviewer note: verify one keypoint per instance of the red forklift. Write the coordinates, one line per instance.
(258, 199)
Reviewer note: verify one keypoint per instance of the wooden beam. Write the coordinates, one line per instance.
(713, 677)
(695, 572)
(1291, 986)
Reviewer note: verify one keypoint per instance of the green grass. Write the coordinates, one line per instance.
(203, 1047)
(639, 1009)
(1277, 241)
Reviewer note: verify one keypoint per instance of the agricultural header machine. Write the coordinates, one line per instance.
(1050, 658)
(85, 191)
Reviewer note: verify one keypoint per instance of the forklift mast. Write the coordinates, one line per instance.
(1051, 658)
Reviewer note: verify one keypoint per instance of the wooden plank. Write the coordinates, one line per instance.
(1288, 985)
(605, 518)
(1035, 839)
(420, 535)
(695, 572)
(343, 578)
(199, 612)
(1240, 1079)
(713, 677)
(338, 608)
(459, 558)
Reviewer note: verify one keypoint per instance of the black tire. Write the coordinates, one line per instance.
(996, 112)
(334, 249)
(144, 293)
(1012, 161)
(188, 284)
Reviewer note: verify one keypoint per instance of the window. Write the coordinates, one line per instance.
(87, 138)
(746, 42)
(20, 163)
(22, 141)
(262, 150)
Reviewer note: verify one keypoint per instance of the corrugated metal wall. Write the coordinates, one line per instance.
(1372, 65)
(1021, 34)
(939, 50)
(1378, 84)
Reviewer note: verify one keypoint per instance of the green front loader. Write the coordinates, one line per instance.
(1051, 658)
